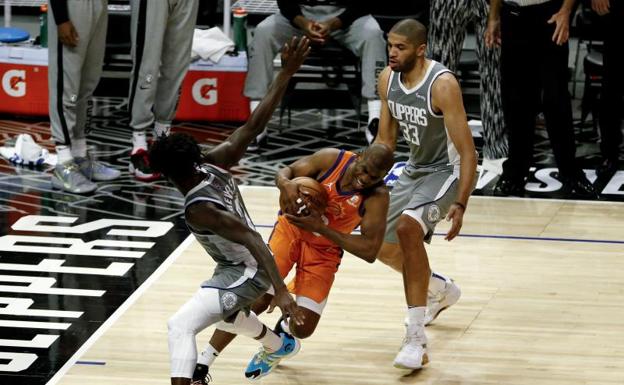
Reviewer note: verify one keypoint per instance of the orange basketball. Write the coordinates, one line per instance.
(313, 193)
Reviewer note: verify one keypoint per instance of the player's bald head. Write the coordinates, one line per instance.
(413, 30)
(380, 155)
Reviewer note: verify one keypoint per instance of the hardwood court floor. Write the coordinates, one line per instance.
(542, 304)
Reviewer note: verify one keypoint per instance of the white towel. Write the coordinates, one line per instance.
(27, 153)
(210, 44)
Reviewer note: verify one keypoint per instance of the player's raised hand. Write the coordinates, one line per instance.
(287, 305)
(294, 54)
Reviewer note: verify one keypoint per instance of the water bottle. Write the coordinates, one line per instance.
(240, 29)
(43, 26)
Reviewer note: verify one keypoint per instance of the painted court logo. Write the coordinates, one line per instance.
(60, 280)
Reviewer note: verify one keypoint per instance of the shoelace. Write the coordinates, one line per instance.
(265, 356)
(71, 167)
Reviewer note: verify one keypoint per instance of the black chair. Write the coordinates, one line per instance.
(588, 32)
(117, 57)
(329, 78)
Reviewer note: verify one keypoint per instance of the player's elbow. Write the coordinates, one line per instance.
(369, 254)
(371, 257)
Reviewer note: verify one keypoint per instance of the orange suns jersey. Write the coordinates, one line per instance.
(344, 208)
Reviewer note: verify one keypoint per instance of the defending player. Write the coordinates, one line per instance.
(216, 215)
(423, 100)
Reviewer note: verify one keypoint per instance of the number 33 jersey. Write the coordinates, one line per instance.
(423, 128)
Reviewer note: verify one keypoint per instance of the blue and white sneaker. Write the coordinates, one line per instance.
(95, 170)
(264, 362)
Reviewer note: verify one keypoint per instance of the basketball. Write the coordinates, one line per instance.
(312, 192)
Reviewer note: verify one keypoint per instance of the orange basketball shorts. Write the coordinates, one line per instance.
(316, 265)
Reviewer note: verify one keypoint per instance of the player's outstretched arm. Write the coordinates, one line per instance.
(365, 245)
(233, 148)
(447, 98)
(388, 126)
(205, 216)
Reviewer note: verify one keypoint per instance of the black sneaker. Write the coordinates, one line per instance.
(371, 130)
(259, 141)
(506, 187)
(201, 375)
(607, 168)
(579, 187)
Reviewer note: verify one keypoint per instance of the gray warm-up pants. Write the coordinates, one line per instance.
(162, 35)
(447, 28)
(74, 72)
(363, 37)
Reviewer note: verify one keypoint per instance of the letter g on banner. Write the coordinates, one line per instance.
(205, 91)
(14, 83)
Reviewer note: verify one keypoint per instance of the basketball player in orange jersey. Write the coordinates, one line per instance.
(315, 243)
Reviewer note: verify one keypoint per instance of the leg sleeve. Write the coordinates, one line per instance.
(201, 311)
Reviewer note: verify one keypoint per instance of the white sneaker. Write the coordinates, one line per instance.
(259, 141)
(413, 354)
(436, 303)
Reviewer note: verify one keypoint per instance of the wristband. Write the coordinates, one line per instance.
(463, 206)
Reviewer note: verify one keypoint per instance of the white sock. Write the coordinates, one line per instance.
(285, 325)
(161, 129)
(250, 326)
(139, 140)
(437, 283)
(64, 154)
(271, 341)
(416, 316)
(79, 148)
(208, 356)
(416, 325)
(374, 109)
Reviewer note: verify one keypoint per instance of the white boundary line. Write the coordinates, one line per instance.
(122, 309)
(485, 197)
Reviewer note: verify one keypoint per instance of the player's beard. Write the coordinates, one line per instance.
(406, 65)
(409, 64)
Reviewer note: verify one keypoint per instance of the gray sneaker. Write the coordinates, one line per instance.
(68, 177)
(95, 170)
